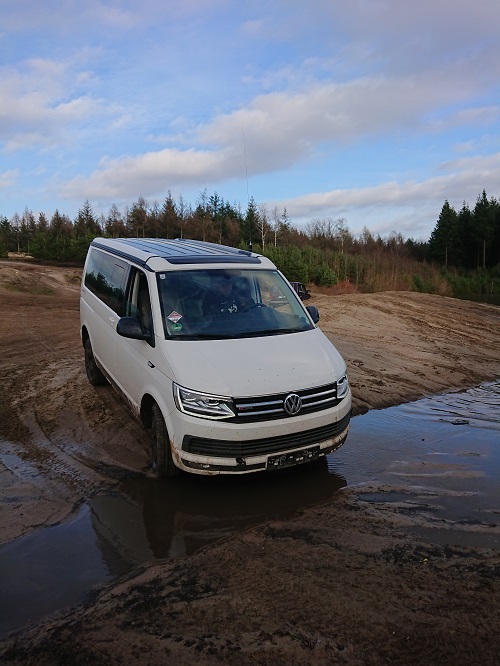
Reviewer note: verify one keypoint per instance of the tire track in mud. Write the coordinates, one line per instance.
(66, 443)
(74, 427)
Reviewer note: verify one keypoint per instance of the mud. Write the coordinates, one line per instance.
(342, 582)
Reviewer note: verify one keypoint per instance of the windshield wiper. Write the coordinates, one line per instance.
(239, 334)
(206, 336)
(272, 331)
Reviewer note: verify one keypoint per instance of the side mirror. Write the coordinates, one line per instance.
(313, 311)
(130, 327)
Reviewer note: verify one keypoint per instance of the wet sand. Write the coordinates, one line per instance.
(342, 582)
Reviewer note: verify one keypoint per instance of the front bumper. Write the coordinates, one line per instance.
(207, 455)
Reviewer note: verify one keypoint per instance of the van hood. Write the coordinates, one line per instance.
(255, 366)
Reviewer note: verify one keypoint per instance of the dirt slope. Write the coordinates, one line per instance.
(400, 346)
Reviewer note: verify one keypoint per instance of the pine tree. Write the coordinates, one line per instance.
(483, 218)
(443, 243)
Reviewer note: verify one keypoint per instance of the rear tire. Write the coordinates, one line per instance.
(94, 374)
(163, 463)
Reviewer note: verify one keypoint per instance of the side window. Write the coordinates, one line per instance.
(105, 277)
(273, 295)
(138, 303)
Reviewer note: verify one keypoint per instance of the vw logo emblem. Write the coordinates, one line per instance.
(292, 404)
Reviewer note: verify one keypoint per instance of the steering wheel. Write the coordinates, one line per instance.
(255, 305)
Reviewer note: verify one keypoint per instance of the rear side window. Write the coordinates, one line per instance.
(106, 277)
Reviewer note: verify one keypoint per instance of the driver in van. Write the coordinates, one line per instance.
(225, 296)
(245, 301)
(221, 298)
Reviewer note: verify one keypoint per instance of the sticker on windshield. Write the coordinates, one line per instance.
(177, 327)
(174, 317)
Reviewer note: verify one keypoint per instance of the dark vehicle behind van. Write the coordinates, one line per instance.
(301, 290)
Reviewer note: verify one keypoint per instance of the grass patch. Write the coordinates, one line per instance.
(29, 289)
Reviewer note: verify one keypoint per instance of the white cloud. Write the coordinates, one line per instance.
(286, 125)
(407, 205)
(41, 102)
(278, 130)
(94, 15)
(149, 173)
(402, 33)
(8, 178)
(487, 166)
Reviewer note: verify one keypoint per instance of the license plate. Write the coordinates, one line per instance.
(294, 458)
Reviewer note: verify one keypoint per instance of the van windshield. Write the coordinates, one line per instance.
(228, 303)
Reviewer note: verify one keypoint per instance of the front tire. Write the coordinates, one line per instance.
(94, 374)
(163, 463)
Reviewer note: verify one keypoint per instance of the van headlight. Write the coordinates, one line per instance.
(342, 387)
(203, 405)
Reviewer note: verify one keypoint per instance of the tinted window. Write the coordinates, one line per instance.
(105, 277)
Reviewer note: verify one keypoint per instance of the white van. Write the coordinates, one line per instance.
(228, 379)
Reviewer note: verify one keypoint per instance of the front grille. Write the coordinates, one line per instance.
(265, 408)
(258, 447)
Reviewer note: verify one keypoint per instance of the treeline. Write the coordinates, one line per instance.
(467, 239)
(62, 239)
(212, 219)
(324, 252)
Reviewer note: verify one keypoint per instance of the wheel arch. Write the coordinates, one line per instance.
(85, 335)
(146, 409)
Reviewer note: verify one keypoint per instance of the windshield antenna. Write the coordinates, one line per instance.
(246, 175)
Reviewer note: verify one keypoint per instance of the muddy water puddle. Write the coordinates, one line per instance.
(438, 456)
(143, 520)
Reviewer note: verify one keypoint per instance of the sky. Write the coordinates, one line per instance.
(374, 111)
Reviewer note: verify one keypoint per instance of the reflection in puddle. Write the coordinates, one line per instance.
(49, 570)
(179, 516)
(145, 519)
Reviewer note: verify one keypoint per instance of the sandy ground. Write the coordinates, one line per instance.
(342, 583)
